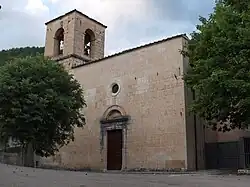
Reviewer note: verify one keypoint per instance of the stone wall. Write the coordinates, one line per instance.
(68, 24)
(11, 158)
(11, 155)
(81, 25)
(75, 25)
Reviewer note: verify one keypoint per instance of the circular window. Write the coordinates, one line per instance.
(115, 89)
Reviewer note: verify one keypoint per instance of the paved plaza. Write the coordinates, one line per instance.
(13, 176)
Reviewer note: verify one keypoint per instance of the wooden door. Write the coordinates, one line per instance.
(114, 150)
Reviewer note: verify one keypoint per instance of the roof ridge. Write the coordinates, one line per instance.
(79, 12)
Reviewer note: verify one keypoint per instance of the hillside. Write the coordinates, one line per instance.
(6, 55)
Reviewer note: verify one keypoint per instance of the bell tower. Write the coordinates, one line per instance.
(74, 38)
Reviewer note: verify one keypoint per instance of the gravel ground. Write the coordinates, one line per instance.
(13, 176)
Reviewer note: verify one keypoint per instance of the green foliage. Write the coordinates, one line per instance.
(10, 54)
(219, 55)
(40, 104)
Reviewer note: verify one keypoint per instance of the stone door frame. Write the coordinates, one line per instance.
(118, 123)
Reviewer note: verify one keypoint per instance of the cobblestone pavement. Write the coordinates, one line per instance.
(12, 176)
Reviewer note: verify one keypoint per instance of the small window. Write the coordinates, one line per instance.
(115, 89)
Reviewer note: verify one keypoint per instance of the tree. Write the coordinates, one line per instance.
(219, 56)
(40, 104)
(10, 54)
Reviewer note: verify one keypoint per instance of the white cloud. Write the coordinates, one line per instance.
(53, 1)
(116, 14)
(110, 12)
(36, 7)
(22, 23)
(130, 22)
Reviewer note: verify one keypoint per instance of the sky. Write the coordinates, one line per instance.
(130, 22)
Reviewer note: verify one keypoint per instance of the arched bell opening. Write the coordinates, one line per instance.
(59, 42)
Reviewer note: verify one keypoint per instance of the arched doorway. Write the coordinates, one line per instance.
(114, 124)
(114, 144)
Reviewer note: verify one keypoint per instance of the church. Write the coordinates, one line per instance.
(137, 115)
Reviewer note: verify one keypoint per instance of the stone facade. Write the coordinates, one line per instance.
(75, 24)
(152, 93)
(159, 132)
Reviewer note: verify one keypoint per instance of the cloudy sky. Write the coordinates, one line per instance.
(130, 22)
